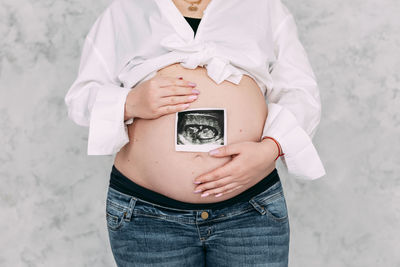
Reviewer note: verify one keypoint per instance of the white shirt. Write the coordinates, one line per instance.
(131, 40)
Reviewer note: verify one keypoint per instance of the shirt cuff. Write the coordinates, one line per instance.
(129, 121)
(301, 158)
(108, 132)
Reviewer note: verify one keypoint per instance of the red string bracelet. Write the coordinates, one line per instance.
(279, 149)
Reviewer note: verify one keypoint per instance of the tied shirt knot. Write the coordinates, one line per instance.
(195, 53)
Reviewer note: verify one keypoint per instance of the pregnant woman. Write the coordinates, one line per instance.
(145, 61)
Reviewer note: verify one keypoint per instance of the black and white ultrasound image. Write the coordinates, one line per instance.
(200, 127)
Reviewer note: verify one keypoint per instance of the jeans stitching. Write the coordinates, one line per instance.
(269, 199)
(118, 224)
(116, 205)
(273, 216)
(175, 219)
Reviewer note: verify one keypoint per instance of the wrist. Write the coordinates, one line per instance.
(275, 144)
(126, 115)
(128, 107)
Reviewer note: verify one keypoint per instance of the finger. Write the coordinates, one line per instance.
(227, 169)
(171, 81)
(173, 100)
(219, 190)
(227, 150)
(226, 192)
(177, 90)
(213, 184)
(172, 108)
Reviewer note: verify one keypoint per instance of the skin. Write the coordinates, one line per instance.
(250, 160)
(183, 8)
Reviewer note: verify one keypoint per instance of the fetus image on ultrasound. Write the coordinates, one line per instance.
(200, 129)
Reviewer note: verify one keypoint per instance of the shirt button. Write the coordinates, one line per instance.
(204, 215)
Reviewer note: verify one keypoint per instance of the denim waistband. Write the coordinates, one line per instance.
(121, 183)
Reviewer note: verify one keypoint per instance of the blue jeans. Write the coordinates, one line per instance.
(249, 233)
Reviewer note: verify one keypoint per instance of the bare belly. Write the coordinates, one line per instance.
(150, 159)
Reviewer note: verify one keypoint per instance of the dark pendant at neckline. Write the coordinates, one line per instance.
(193, 22)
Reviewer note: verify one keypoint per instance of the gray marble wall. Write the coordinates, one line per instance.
(52, 196)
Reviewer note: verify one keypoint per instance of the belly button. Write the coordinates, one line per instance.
(198, 156)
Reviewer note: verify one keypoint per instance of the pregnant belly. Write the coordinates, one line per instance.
(150, 159)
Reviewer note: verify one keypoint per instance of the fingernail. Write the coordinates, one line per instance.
(195, 91)
(180, 78)
(192, 97)
(197, 191)
(213, 152)
(192, 84)
(218, 195)
(204, 195)
(196, 182)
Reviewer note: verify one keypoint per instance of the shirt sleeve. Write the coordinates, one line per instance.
(96, 98)
(294, 108)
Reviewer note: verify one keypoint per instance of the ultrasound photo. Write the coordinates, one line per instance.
(200, 130)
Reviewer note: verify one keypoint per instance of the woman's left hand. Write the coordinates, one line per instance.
(250, 161)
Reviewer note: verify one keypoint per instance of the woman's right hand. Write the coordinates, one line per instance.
(159, 96)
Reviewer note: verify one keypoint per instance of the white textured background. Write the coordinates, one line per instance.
(52, 196)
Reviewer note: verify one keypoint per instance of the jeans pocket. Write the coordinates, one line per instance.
(271, 203)
(118, 209)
